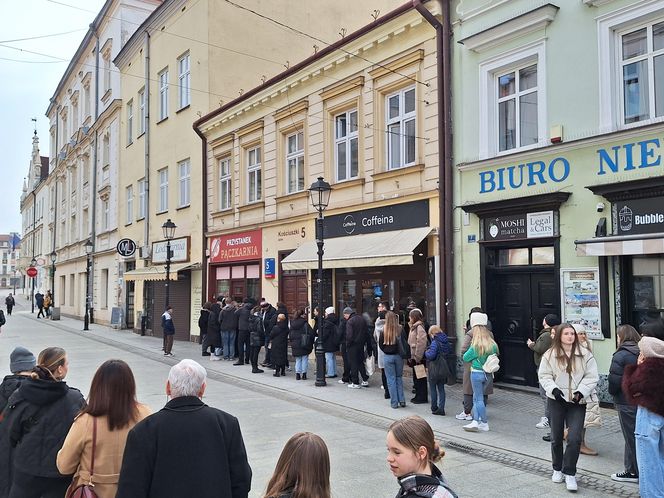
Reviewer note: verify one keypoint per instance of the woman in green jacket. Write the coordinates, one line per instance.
(481, 347)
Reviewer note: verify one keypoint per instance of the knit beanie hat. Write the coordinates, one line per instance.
(21, 360)
(478, 319)
(651, 347)
(348, 310)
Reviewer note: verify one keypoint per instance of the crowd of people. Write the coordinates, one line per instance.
(56, 444)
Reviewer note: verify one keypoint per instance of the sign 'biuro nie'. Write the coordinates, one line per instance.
(615, 159)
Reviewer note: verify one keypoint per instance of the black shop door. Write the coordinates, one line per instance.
(516, 303)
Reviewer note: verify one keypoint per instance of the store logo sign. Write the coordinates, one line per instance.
(349, 224)
(640, 216)
(236, 247)
(520, 226)
(626, 217)
(540, 225)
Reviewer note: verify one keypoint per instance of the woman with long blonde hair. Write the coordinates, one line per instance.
(303, 469)
(388, 342)
(481, 347)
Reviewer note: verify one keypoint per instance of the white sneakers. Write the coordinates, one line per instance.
(474, 426)
(543, 423)
(464, 416)
(341, 381)
(365, 383)
(570, 481)
(354, 386)
(483, 426)
(215, 358)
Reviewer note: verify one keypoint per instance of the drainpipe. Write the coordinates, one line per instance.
(204, 260)
(445, 238)
(146, 126)
(93, 194)
(55, 190)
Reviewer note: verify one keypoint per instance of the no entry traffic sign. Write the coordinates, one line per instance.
(32, 272)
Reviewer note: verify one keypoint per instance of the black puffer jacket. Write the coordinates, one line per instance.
(298, 326)
(268, 319)
(243, 313)
(228, 319)
(36, 422)
(356, 330)
(203, 322)
(330, 326)
(626, 354)
(256, 335)
(213, 336)
(279, 341)
(9, 384)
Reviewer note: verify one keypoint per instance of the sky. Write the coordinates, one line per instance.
(27, 86)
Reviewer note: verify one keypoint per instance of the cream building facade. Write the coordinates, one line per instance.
(362, 114)
(185, 60)
(84, 115)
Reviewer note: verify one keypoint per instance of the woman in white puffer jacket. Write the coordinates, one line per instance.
(568, 374)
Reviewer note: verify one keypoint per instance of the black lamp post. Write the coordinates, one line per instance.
(169, 232)
(54, 258)
(88, 253)
(15, 277)
(320, 197)
(33, 263)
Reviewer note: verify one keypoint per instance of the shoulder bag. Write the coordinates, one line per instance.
(438, 369)
(87, 490)
(404, 347)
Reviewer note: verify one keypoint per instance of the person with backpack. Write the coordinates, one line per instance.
(481, 347)
(437, 352)
(168, 327)
(10, 302)
(330, 339)
(301, 338)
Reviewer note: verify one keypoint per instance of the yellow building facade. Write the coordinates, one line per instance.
(362, 114)
(186, 59)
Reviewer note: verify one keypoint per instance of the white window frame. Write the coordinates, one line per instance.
(254, 175)
(142, 199)
(141, 111)
(106, 64)
(295, 157)
(129, 193)
(105, 214)
(402, 118)
(184, 183)
(516, 97)
(163, 94)
(609, 28)
(347, 139)
(489, 71)
(184, 80)
(162, 175)
(130, 121)
(225, 183)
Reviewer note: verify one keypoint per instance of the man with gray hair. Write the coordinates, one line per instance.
(187, 448)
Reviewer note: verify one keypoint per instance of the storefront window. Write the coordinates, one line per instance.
(223, 287)
(512, 257)
(647, 288)
(543, 255)
(522, 256)
(348, 294)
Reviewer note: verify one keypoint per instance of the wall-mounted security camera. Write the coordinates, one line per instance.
(600, 207)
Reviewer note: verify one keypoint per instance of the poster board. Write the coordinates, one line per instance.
(581, 300)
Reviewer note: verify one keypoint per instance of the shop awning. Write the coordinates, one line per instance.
(621, 245)
(373, 249)
(158, 272)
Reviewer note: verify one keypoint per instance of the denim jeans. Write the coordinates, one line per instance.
(228, 342)
(301, 364)
(437, 395)
(330, 365)
(649, 435)
(545, 398)
(572, 415)
(394, 373)
(627, 417)
(479, 380)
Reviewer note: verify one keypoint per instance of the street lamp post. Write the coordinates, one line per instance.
(15, 277)
(169, 232)
(54, 257)
(320, 192)
(33, 263)
(88, 252)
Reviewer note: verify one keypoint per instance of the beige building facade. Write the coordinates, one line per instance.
(185, 60)
(361, 114)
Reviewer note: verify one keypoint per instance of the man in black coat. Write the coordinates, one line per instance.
(243, 313)
(268, 317)
(187, 448)
(356, 339)
(328, 337)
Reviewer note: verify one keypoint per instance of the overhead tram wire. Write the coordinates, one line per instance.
(204, 92)
(164, 30)
(43, 36)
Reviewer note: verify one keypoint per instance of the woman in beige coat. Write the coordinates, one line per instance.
(417, 340)
(113, 408)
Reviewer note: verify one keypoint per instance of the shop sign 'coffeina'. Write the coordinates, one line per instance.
(610, 160)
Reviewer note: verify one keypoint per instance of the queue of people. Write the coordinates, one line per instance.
(56, 444)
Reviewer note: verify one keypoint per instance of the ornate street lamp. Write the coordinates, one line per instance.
(33, 263)
(320, 192)
(54, 258)
(88, 253)
(169, 232)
